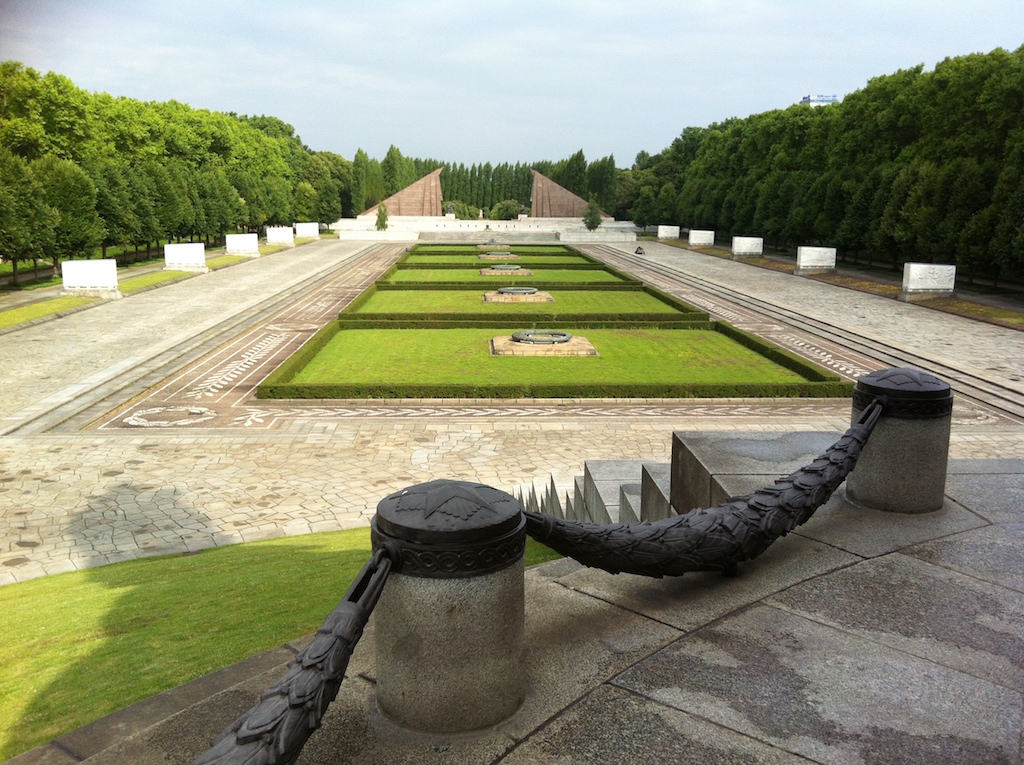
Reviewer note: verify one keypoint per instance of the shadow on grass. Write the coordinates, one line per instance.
(120, 633)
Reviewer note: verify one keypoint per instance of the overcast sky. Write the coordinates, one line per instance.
(486, 81)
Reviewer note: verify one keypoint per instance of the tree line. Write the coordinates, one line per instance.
(923, 166)
(81, 171)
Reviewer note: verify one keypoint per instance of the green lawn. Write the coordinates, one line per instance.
(225, 260)
(467, 301)
(474, 260)
(78, 646)
(136, 283)
(38, 310)
(543, 249)
(462, 356)
(453, 275)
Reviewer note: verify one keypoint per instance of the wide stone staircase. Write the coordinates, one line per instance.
(707, 468)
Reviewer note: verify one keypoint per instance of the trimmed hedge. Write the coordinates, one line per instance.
(526, 321)
(476, 286)
(274, 389)
(475, 264)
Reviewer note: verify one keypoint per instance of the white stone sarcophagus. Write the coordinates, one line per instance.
(747, 245)
(700, 238)
(186, 256)
(668, 232)
(243, 244)
(91, 278)
(815, 260)
(307, 230)
(281, 235)
(921, 280)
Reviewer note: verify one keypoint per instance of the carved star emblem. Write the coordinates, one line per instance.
(455, 499)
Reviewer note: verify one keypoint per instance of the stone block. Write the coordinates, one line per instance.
(280, 235)
(701, 238)
(92, 278)
(668, 232)
(601, 482)
(185, 256)
(815, 260)
(701, 461)
(922, 280)
(307, 230)
(579, 504)
(655, 491)
(243, 244)
(747, 245)
(629, 503)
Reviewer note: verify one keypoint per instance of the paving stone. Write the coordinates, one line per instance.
(692, 600)
(830, 696)
(924, 610)
(644, 733)
(992, 553)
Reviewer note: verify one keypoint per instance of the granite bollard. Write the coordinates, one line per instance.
(903, 466)
(449, 625)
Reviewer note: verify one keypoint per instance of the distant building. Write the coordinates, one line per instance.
(819, 100)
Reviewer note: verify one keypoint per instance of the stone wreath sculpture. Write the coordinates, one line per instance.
(274, 731)
(715, 539)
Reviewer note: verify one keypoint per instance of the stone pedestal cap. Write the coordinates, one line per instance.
(450, 529)
(910, 394)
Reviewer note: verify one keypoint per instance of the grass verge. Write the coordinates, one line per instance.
(38, 310)
(81, 645)
(136, 283)
(1003, 317)
(225, 260)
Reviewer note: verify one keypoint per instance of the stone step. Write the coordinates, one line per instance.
(629, 503)
(709, 468)
(579, 505)
(602, 479)
(656, 491)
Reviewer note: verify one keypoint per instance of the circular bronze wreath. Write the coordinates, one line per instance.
(541, 336)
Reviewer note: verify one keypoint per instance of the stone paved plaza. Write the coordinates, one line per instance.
(129, 429)
(86, 479)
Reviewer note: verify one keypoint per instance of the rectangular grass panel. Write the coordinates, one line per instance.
(469, 260)
(472, 275)
(567, 303)
(407, 363)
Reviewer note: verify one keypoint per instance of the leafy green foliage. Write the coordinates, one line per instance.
(382, 217)
(72, 195)
(26, 221)
(592, 215)
(507, 209)
(921, 166)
